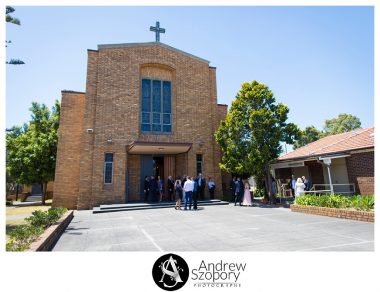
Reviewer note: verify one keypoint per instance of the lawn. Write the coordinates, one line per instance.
(15, 215)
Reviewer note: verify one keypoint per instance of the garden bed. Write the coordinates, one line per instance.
(41, 231)
(51, 235)
(367, 216)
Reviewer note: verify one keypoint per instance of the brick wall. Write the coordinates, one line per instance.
(112, 110)
(335, 212)
(360, 168)
(66, 184)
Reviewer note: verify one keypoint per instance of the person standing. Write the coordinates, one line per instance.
(292, 185)
(178, 193)
(232, 188)
(300, 187)
(183, 190)
(211, 187)
(170, 188)
(307, 183)
(160, 183)
(188, 188)
(153, 188)
(238, 191)
(247, 201)
(146, 188)
(195, 194)
(201, 186)
(273, 191)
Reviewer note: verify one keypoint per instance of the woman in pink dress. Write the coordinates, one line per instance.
(247, 201)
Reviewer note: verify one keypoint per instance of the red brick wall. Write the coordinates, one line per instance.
(335, 212)
(360, 169)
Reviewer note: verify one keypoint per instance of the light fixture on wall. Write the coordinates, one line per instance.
(90, 131)
(109, 141)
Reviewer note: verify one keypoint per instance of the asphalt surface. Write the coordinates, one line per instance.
(214, 228)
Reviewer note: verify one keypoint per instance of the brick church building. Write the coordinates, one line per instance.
(148, 109)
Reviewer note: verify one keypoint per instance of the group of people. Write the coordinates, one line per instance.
(185, 191)
(299, 185)
(241, 192)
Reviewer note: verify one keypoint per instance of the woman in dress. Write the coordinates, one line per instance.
(300, 187)
(247, 201)
(178, 194)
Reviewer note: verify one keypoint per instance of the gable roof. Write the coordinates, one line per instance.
(355, 140)
(150, 44)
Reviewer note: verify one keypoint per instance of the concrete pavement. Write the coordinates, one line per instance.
(214, 228)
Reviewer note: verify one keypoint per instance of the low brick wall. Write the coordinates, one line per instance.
(334, 212)
(51, 235)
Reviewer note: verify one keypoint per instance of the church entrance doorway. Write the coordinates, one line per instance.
(158, 166)
(150, 165)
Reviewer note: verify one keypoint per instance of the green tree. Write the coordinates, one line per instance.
(310, 134)
(250, 135)
(31, 150)
(343, 123)
(10, 19)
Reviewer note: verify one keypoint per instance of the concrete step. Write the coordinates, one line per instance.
(145, 206)
(34, 198)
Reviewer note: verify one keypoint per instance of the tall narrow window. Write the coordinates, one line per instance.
(199, 163)
(108, 168)
(156, 108)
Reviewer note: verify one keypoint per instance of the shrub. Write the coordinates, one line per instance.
(22, 236)
(259, 193)
(9, 203)
(337, 201)
(365, 203)
(45, 218)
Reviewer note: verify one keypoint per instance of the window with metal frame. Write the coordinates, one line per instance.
(156, 106)
(108, 168)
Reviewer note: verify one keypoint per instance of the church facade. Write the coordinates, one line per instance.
(148, 109)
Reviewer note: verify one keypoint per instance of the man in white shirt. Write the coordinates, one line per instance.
(188, 188)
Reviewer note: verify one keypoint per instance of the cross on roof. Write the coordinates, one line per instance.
(157, 30)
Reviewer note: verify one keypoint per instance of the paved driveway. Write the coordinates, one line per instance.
(214, 228)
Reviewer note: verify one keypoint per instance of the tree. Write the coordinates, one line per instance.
(310, 134)
(250, 135)
(31, 150)
(343, 123)
(10, 19)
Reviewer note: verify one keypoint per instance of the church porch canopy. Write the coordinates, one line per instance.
(157, 148)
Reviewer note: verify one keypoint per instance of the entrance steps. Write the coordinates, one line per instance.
(153, 205)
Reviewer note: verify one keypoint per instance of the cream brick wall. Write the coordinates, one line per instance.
(112, 110)
(66, 183)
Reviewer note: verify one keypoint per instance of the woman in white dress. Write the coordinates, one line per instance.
(300, 187)
(247, 201)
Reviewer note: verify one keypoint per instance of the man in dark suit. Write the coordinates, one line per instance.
(146, 188)
(239, 191)
(153, 188)
(232, 188)
(201, 186)
(170, 188)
